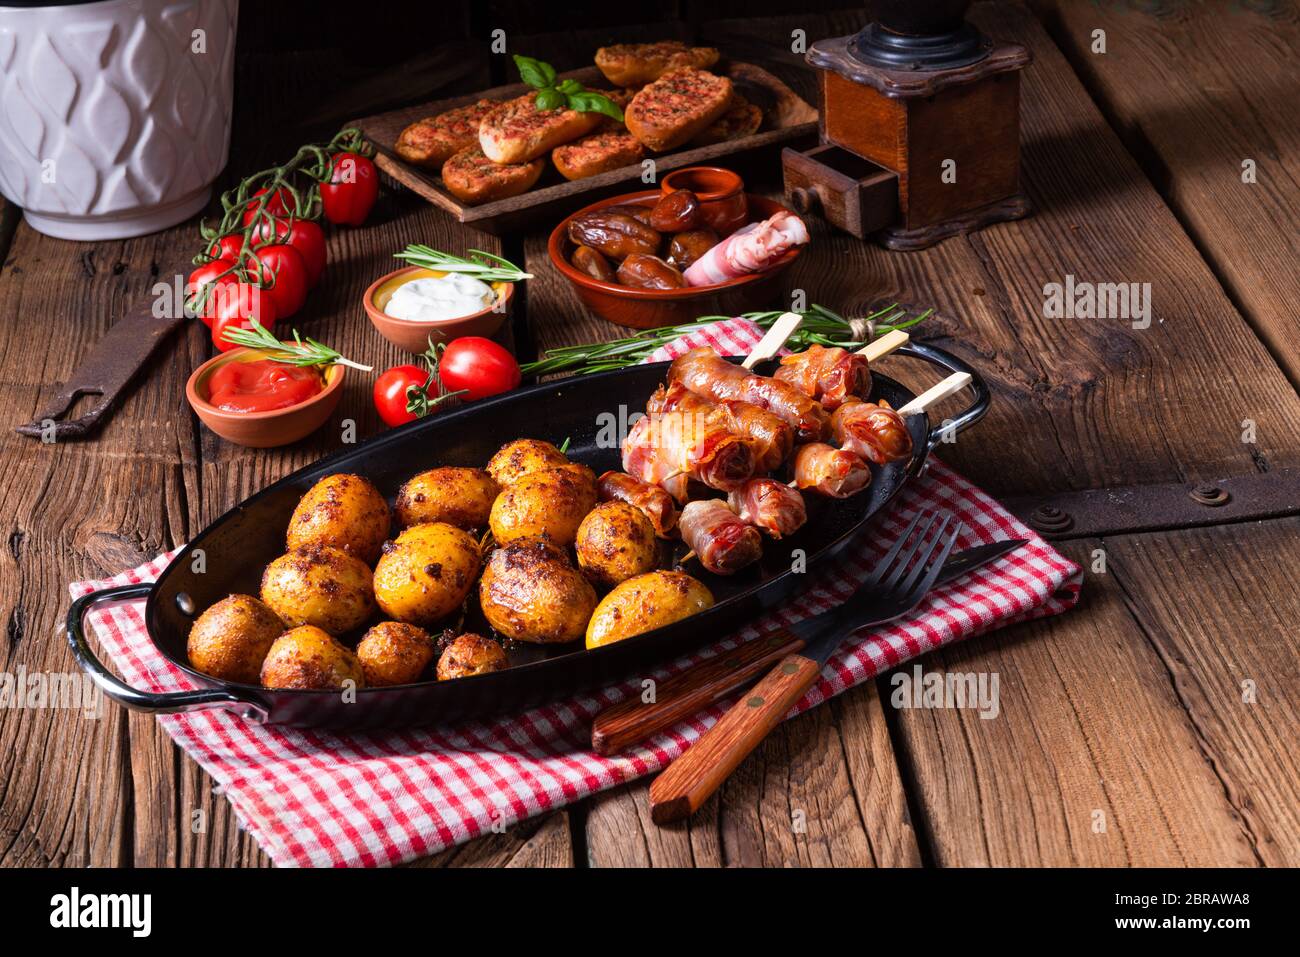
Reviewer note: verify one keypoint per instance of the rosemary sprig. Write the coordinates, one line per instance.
(301, 352)
(821, 326)
(483, 266)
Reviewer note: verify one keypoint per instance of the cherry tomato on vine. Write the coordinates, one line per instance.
(351, 191)
(234, 305)
(227, 247)
(303, 235)
(200, 278)
(392, 392)
(283, 275)
(478, 366)
(281, 204)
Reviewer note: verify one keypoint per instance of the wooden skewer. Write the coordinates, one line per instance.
(889, 342)
(937, 393)
(774, 339)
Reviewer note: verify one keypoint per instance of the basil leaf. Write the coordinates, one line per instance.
(570, 85)
(588, 102)
(550, 99)
(535, 73)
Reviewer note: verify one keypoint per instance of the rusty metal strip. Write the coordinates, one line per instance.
(1147, 508)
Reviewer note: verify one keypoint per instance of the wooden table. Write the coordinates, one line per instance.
(1155, 724)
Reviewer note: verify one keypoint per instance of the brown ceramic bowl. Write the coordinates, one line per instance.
(415, 336)
(720, 191)
(653, 308)
(262, 430)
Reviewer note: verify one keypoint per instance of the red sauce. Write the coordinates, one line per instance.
(262, 385)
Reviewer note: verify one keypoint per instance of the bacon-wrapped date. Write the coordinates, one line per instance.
(836, 473)
(656, 504)
(672, 444)
(770, 505)
(722, 542)
(875, 432)
(772, 436)
(706, 373)
(827, 373)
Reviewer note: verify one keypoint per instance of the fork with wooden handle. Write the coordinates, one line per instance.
(896, 586)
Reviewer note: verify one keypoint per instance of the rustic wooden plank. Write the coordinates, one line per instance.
(1224, 632)
(822, 790)
(1090, 733)
(1196, 90)
(540, 842)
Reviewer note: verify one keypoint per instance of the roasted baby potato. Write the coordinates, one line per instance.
(550, 503)
(425, 574)
(230, 640)
(616, 542)
(529, 591)
(457, 496)
(319, 585)
(644, 603)
(342, 511)
(516, 459)
(394, 653)
(308, 658)
(471, 654)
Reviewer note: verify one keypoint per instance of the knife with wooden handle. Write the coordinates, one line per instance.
(630, 722)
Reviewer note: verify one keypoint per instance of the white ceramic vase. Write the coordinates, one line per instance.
(114, 115)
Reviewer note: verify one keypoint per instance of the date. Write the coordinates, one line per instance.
(689, 246)
(586, 259)
(614, 235)
(676, 212)
(649, 272)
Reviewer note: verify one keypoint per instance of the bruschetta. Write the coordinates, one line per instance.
(473, 178)
(597, 153)
(636, 64)
(432, 141)
(677, 107)
(519, 132)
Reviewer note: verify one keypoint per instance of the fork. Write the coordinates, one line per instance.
(894, 587)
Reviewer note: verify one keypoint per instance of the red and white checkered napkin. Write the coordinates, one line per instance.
(326, 799)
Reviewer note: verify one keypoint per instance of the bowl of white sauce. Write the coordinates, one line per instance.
(412, 306)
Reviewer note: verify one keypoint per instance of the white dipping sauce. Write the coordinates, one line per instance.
(444, 297)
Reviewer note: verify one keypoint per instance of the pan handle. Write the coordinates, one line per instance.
(249, 706)
(946, 360)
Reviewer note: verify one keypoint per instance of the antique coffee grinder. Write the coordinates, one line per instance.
(920, 128)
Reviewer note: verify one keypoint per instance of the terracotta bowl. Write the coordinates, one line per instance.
(720, 191)
(415, 336)
(653, 308)
(262, 430)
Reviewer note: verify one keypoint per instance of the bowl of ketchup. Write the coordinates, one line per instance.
(251, 400)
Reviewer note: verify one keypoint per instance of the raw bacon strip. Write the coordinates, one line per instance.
(829, 471)
(653, 501)
(828, 374)
(706, 373)
(723, 543)
(770, 505)
(749, 249)
(672, 444)
(875, 432)
(772, 436)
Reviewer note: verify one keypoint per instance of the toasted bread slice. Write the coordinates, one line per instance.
(677, 107)
(519, 132)
(430, 142)
(636, 64)
(597, 153)
(741, 119)
(473, 178)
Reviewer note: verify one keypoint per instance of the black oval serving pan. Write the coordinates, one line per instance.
(239, 544)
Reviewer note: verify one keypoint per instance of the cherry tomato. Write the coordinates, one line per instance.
(479, 366)
(200, 278)
(349, 195)
(283, 276)
(281, 204)
(236, 304)
(227, 247)
(391, 390)
(303, 235)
